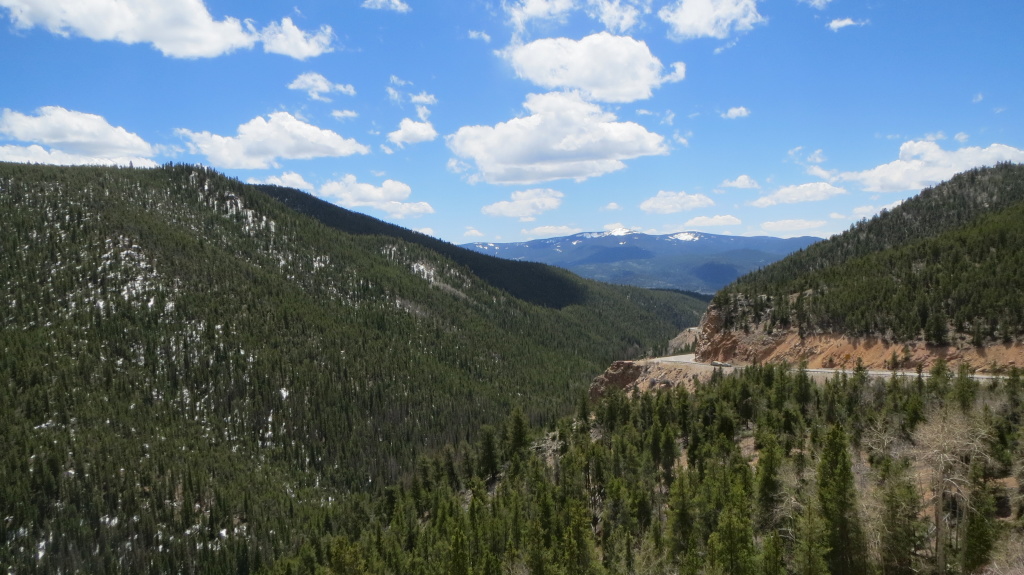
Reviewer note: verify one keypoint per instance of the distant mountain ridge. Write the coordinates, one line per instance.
(690, 261)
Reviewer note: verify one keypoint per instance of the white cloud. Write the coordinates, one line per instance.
(177, 28)
(286, 180)
(840, 23)
(426, 231)
(261, 142)
(784, 226)
(812, 192)
(672, 202)
(563, 137)
(817, 157)
(523, 11)
(388, 197)
(738, 112)
(603, 67)
(316, 85)
(611, 207)
(180, 29)
(961, 137)
(423, 98)
(412, 132)
(744, 182)
(924, 163)
(396, 5)
(712, 221)
(79, 133)
(618, 15)
(709, 18)
(977, 98)
(36, 154)
(526, 205)
(287, 39)
(480, 35)
(393, 94)
(472, 232)
(344, 114)
(550, 231)
(819, 4)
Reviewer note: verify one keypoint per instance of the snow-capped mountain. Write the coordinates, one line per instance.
(693, 261)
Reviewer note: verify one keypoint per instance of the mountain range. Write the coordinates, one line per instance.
(688, 261)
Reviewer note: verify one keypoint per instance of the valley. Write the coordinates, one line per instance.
(205, 376)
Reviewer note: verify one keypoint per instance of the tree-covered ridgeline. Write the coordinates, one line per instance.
(190, 369)
(760, 471)
(939, 267)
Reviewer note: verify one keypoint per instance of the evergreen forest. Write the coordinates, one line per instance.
(761, 471)
(190, 369)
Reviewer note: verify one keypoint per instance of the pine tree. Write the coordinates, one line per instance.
(680, 518)
(837, 500)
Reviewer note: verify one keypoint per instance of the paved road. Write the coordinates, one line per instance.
(691, 360)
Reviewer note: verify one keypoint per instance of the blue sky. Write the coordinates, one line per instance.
(509, 120)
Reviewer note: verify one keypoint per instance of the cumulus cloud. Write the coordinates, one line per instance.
(709, 18)
(344, 114)
(389, 197)
(177, 28)
(395, 5)
(73, 138)
(840, 23)
(563, 137)
(813, 192)
(523, 11)
(550, 231)
(286, 180)
(526, 205)
(618, 15)
(74, 132)
(316, 85)
(819, 4)
(743, 182)
(262, 141)
(412, 132)
(672, 202)
(611, 207)
(287, 39)
(924, 163)
(603, 67)
(472, 232)
(738, 112)
(712, 221)
(480, 35)
(36, 154)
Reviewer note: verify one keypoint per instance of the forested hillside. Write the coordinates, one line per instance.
(942, 266)
(190, 369)
(757, 472)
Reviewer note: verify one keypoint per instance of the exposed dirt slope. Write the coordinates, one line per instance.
(828, 350)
